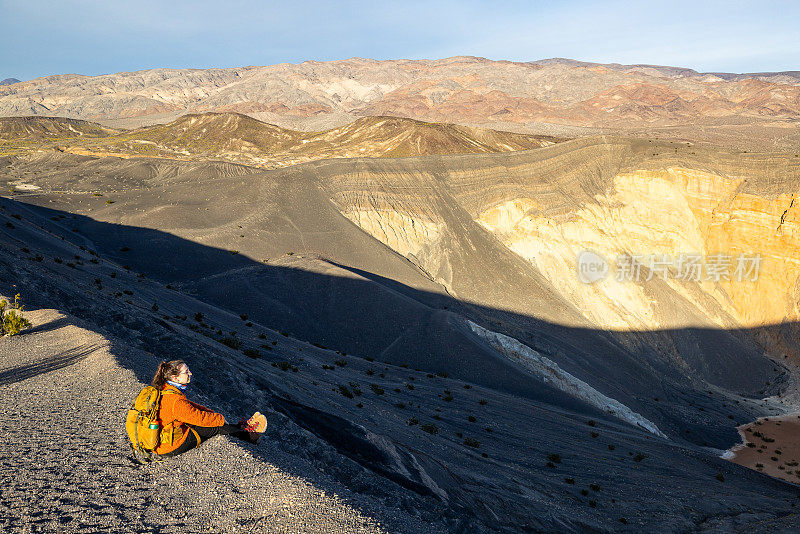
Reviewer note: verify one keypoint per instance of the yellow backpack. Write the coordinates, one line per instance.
(142, 423)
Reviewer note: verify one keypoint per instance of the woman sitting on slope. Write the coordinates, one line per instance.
(186, 424)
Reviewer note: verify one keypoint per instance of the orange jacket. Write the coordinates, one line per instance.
(176, 413)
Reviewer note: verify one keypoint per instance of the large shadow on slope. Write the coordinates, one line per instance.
(694, 389)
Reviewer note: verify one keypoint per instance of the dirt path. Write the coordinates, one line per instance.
(64, 465)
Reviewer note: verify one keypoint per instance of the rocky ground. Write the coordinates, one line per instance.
(66, 467)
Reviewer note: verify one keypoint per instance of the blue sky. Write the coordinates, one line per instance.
(39, 38)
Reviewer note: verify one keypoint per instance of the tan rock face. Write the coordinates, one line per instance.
(673, 212)
(702, 222)
(399, 231)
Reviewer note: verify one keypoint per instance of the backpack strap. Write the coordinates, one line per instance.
(197, 437)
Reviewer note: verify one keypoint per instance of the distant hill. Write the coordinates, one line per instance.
(9, 81)
(555, 96)
(239, 138)
(18, 133)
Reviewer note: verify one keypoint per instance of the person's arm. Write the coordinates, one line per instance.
(201, 407)
(187, 412)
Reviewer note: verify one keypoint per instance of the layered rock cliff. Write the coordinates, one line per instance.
(690, 239)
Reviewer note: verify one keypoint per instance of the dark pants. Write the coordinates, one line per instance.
(206, 432)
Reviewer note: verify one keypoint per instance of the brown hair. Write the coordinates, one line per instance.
(166, 370)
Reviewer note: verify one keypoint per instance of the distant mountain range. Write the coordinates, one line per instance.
(547, 96)
(9, 81)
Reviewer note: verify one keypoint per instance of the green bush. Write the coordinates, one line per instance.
(11, 320)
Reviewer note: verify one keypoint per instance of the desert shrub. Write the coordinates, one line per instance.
(377, 389)
(429, 428)
(11, 320)
(345, 391)
(472, 442)
(252, 353)
(231, 342)
(555, 458)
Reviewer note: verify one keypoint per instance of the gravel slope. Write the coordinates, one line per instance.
(65, 466)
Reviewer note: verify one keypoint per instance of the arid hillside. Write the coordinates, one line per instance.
(241, 139)
(559, 97)
(20, 133)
